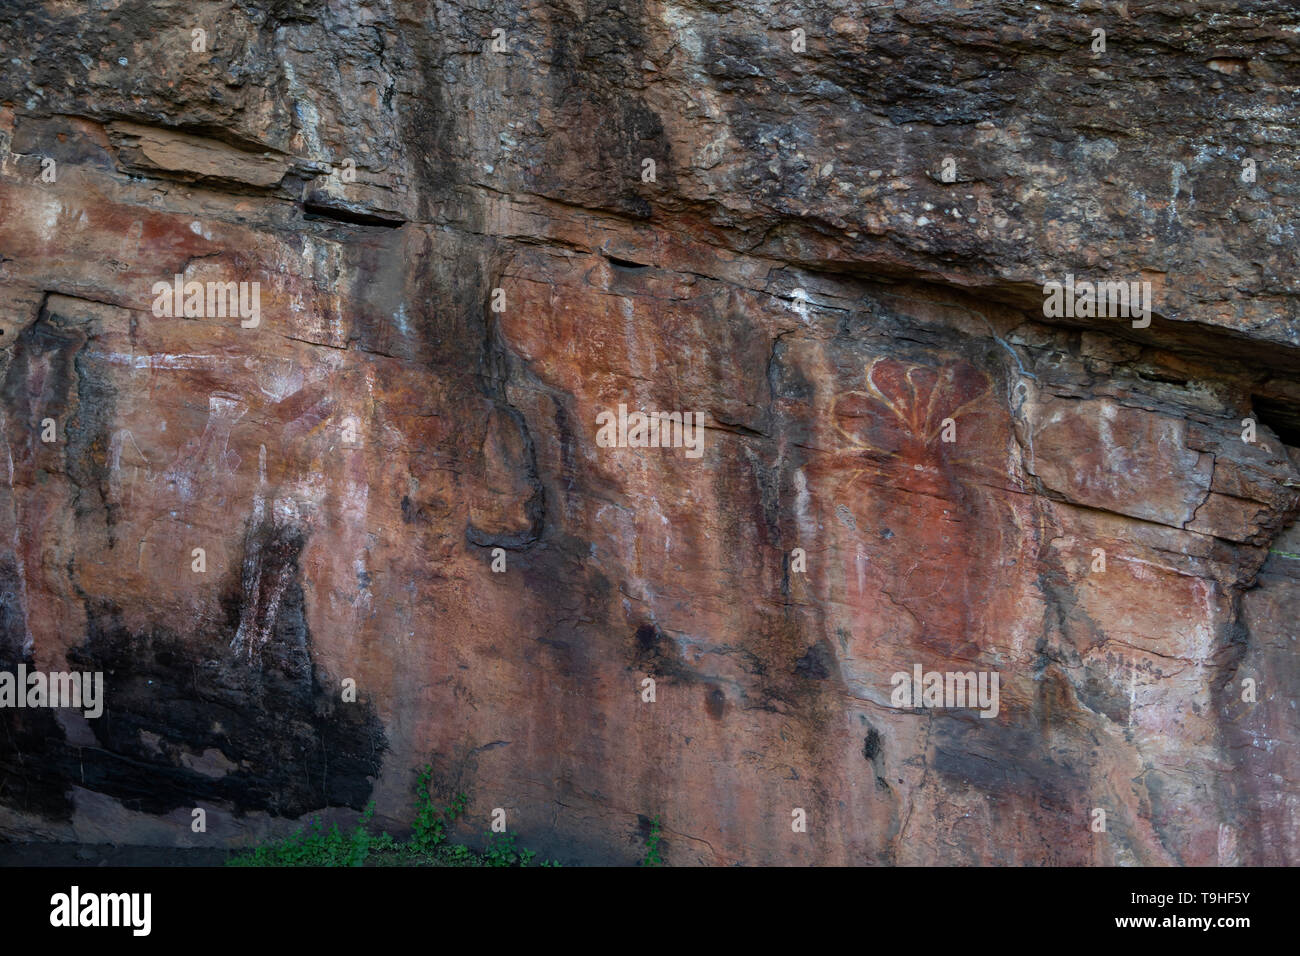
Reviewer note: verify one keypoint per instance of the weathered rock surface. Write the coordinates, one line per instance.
(799, 269)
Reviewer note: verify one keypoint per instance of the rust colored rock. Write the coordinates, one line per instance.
(384, 470)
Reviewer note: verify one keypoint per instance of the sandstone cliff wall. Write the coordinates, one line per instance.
(839, 260)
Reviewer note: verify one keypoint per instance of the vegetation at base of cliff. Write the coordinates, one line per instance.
(652, 855)
(428, 845)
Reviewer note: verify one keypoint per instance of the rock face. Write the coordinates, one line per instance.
(826, 228)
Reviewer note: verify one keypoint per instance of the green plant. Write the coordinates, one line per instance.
(460, 855)
(315, 846)
(501, 851)
(652, 855)
(429, 831)
(428, 846)
(359, 841)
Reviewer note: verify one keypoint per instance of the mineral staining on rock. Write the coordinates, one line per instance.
(824, 233)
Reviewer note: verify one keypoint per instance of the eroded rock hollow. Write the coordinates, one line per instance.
(472, 228)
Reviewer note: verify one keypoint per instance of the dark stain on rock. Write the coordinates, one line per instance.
(47, 378)
(871, 745)
(595, 72)
(656, 655)
(31, 739)
(1005, 762)
(872, 752)
(431, 511)
(90, 437)
(815, 664)
(568, 454)
(415, 512)
(518, 539)
(187, 719)
(429, 120)
(13, 613)
(998, 759)
(270, 579)
(715, 702)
